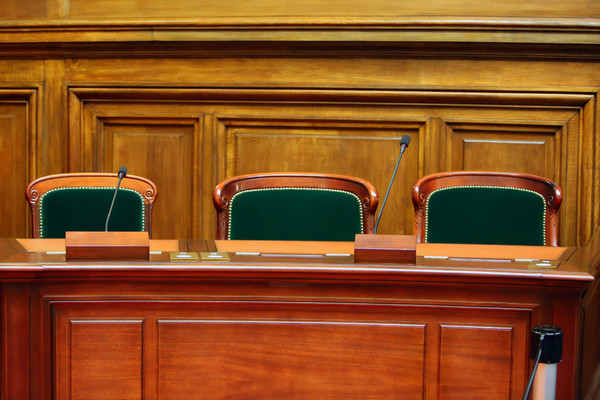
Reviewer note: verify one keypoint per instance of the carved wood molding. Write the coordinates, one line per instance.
(490, 96)
(518, 38)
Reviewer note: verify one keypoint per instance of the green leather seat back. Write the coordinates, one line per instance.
(485, 215)
(86, 209)
(295, 214)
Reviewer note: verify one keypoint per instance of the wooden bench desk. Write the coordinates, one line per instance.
(283, 321)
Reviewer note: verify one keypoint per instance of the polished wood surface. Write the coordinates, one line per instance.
(103, 246)
(400, 249)
(279, 327)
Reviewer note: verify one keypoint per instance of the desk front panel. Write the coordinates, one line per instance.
(273, 327)
(271, 340)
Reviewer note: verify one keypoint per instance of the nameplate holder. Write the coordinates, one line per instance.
(394, 249)
(107, 246)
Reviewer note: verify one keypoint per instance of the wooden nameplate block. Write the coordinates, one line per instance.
(107, 246)
(396, 249)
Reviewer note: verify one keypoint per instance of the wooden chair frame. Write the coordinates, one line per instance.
(224, 191)
(549, 190)
(37, 189)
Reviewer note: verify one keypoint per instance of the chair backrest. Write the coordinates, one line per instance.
(480, 207)
(294, 206)
(81, 201)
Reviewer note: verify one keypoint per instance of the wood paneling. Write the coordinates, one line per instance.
(16, 151)
(268, 358)
(110, 9)
(377, 8)
(293, 316)
(103, 359)
(319, 145)
(166, 152)
(14, 300)
(192, 346)
(467, 352)
(190, 92)
(187, 140)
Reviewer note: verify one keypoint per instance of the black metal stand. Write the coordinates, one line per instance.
(547, 340)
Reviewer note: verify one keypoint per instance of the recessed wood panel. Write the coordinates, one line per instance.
(490, 148)
(231, 131)
(14, 141)
(167, 155)
(475, 360)
(365, 151)
(28, 9)
(104, 360)
(289, 359)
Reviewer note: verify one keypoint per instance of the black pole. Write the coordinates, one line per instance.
(546, 348)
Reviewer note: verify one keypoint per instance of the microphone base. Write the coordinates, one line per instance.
(393, 249)
(107, 246)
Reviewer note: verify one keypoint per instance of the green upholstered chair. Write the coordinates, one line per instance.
(294, 206)
(481, 207)
(80, 202)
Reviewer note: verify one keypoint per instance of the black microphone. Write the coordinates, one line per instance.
(122, 173)
(404, 142)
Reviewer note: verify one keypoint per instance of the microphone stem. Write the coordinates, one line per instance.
(389, 187)
(112, 203)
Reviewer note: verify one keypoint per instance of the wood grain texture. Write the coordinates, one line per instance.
(227, 132)
(14, 340)
(273, 347)
(17, 129)
(477, 365)
(284, 318)
(103, 359)
(110, 9)
(289, 358)
(204, 8)
(213, 91)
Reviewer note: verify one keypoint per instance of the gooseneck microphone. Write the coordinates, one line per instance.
(404, 142)
(122, 173)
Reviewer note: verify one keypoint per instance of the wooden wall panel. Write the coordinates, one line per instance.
(367, 149)
(28, 9)
(14, 338)
(16, 145)
(163, 143)
(542, 80)
(512, 149)
(187, 140)
(252, 96)
(165, 152)
(13, 152)
(109, 9)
